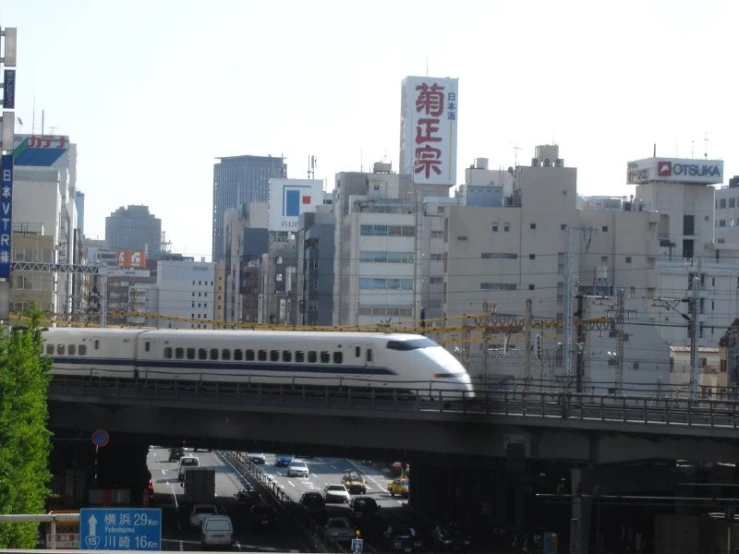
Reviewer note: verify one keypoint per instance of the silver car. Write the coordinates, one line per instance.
(339, 529)
(298, 469)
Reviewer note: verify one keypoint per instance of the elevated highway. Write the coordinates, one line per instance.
(534, 425)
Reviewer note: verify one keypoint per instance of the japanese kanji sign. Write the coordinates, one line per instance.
(6, 215)
(428, 144)
(120, 529)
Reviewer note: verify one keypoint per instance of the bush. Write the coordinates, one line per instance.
(25, 440)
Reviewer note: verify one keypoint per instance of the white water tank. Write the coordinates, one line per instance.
(481, 163)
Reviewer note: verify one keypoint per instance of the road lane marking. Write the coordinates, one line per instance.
(293, 484)
(333, 466)
(182, 547)
(314, 475)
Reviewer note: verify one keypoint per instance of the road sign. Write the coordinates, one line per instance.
(100, 438)
(64, 540)
(357, 545)
(120, 529)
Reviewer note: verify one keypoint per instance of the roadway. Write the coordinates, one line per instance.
(176, 532)
(329, 471)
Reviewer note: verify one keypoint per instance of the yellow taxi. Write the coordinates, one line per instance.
(399, 486)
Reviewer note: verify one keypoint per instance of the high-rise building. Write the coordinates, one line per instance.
(133, 228)
(240, 180)
(79, 202)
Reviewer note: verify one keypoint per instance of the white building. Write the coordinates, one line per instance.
(186, 290)
(727, 213)
(45, 202)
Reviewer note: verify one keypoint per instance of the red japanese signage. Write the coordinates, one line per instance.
(430, 103)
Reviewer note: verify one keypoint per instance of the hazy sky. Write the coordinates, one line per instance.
(152, 91)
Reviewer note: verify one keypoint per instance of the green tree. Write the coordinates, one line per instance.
(25, 440)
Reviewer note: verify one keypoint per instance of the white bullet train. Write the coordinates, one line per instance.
(393, 361)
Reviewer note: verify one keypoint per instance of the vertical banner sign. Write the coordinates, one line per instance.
(6, 215)
(9, 90)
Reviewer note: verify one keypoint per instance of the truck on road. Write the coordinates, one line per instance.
(200, 485)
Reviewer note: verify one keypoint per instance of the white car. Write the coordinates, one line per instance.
(336, 493)
(256, 457)
(216, 531)
(298, 469)
(201, 512)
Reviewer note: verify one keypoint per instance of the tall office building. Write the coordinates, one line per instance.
(240, 180)
(133, 228)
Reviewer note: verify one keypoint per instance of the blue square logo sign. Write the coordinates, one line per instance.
(291, 204)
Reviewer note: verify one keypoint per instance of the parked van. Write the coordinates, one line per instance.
(187, 462)
(216, 531)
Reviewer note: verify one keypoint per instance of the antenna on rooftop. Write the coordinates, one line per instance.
(311, 167)
(705, 141)
(516, 148)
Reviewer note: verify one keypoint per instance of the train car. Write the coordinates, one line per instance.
(336, 359)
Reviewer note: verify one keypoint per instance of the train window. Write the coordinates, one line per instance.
(190, 353)
(147, 346)
(369, 354)
(338, 357)
(168, 353)
(82, 350)
(358, 351)
(274, 355)
(213, 353)
(97, 344)
(49, 349)
(72, 350)
(238, 355)
(287, 356)
(202, 353)
(179, 353)
(60, 349)
(225, 354)
(262, 355)
(249, 355)
(299, 356)
(312, 357)
(325, 357)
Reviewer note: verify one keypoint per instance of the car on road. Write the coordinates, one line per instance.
(216, 531)
(263, 515)
(354, 482)
(298, 468)
(450, 537)
(201, 512)
(364, 508)
(283, 460)
(402, 538)
(256, 457)
(400, 487)
(187, 462)
(314, 504)
(175, 454)
(339, 529)
(336, 493)
(246, 498)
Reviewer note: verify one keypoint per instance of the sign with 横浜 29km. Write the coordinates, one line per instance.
(120, 529)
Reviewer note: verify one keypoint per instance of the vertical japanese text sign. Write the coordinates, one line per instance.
(6, 215)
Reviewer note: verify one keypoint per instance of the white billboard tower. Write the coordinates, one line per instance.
(428, 130)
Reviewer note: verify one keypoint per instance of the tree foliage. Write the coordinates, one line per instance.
(25, 440)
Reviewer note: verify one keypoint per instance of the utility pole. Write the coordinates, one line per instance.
(569, 285)
(694, 326)
(620, 338)
(580, 344)
(527, 347)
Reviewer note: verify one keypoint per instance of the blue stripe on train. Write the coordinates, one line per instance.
(228, 366)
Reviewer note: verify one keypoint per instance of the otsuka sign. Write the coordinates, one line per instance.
(675, 170)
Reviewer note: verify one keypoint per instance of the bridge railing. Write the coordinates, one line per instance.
(514, 404)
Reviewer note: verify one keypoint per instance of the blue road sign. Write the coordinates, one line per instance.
(100, 438)
(357, 545)
(120, 529)
(6, 215)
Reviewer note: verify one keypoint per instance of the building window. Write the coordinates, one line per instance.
(604, 259)
(628, 259)
(563, 226)
(532, 256)
(722, 203)
(495, 227)
(604, 228)
(436, 280)
(497, 286)
(437, 234)
(532, 225)
(506, 227)
(498, 256)
(532, 287)
(462, 238)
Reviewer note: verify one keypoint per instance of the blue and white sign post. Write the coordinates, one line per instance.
(120, 529)
(6, 215)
